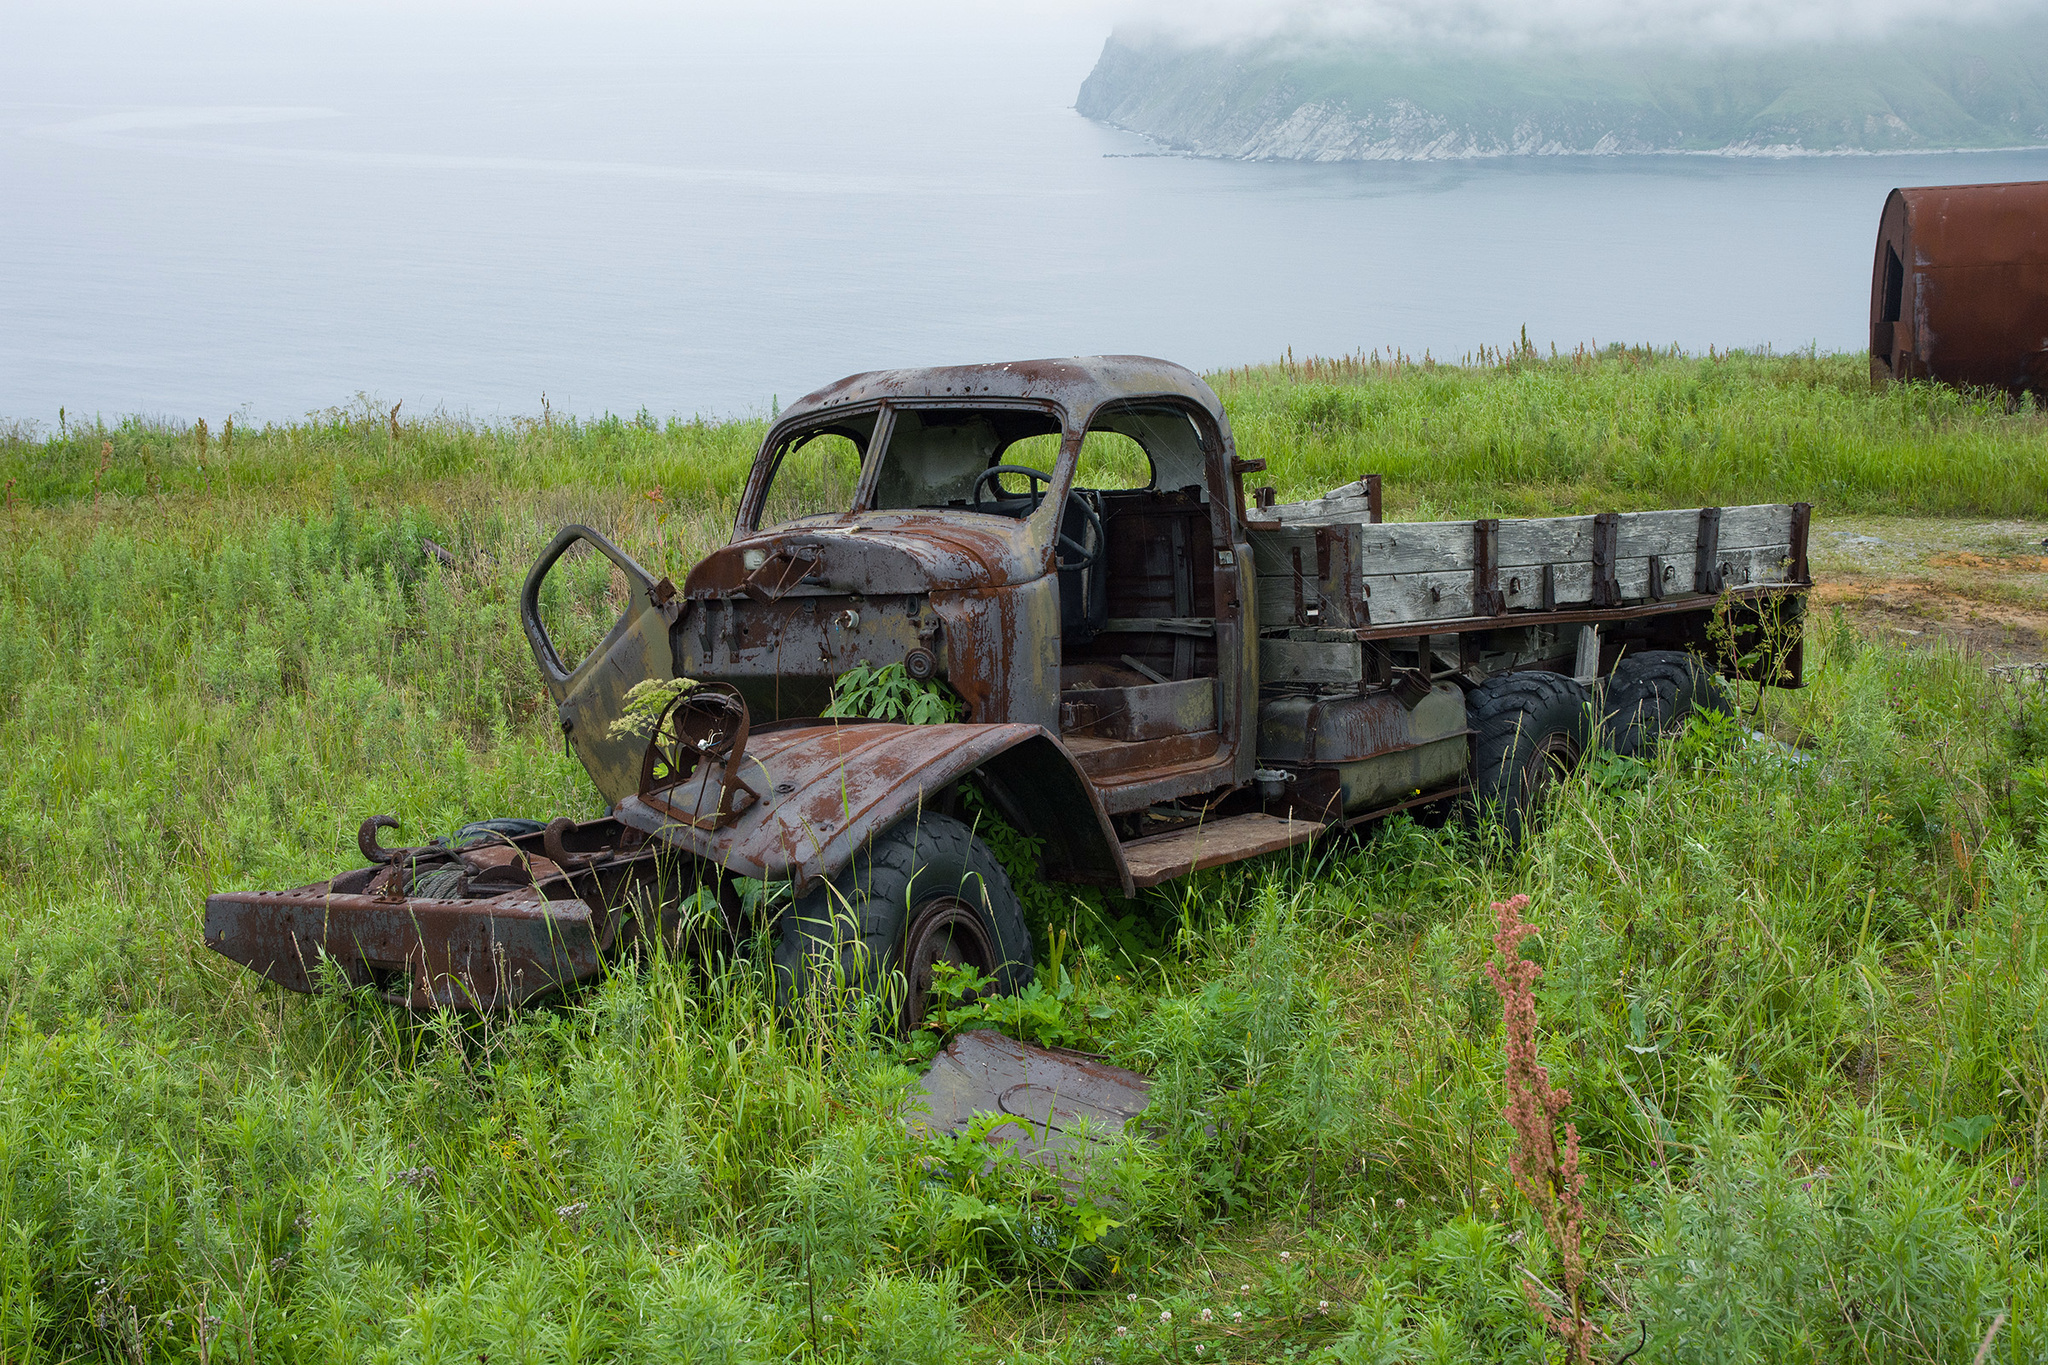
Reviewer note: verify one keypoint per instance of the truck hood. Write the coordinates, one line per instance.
(878, 552)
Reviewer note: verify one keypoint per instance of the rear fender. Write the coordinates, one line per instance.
(826, 788)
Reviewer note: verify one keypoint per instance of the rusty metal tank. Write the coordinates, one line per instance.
(1959, 286)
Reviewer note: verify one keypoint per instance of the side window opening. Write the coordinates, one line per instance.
(1166, 437)
(1112, 461)
(817, 471)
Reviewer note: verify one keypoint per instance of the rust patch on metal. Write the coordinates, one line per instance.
(702, 730)
(1959, 286)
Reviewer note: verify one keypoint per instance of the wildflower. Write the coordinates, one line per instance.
(1244, 1289)
(1130, 1298)
(1165, 1316)
(1123, 1331)
(1400, 1203)
(1546, 1172)
(2018, 1181)
(1237, 1316)
(1286, 1255)
(1207, 1315)
(1322, 1305)
(569, 1213)
(1198, 1348)
(825, 1317)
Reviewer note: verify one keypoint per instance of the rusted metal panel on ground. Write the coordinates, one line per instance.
(1058, 1103)
(1959, 286)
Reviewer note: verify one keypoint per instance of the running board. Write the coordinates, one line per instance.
(1162, 857)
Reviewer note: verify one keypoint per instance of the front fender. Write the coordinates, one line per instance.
(828, 787)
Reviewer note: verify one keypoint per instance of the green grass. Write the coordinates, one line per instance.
(1797, 994)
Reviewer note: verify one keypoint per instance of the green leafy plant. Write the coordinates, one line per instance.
(643, 705)
(865, 692)
(1053, 1017)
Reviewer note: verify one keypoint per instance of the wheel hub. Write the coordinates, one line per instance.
(945, 929)
(1554, 756)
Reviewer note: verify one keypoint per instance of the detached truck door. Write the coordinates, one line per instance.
(591, 695)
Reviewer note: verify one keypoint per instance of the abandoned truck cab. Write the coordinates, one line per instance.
(1152, 675)
(1018, 531)
(1059, 542)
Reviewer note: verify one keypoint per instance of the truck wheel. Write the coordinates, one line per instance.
(925, 892)
(1528, 729)
(1650, 694)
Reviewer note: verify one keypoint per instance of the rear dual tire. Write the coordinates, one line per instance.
(1650, 695)
(1531, 729)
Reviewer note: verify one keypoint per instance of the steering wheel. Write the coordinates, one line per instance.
(1082, 557)
(988, 476)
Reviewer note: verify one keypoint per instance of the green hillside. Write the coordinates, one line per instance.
(1292, 98)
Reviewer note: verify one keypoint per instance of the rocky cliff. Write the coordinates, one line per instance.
(1304, 100)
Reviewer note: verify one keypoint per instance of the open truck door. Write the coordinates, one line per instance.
(591, 695)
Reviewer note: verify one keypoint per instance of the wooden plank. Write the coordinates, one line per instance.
(1273, 551)
(1382, 548)
(1763, 526)
(1657, 533)
(1276, 601)
(1419, 596)
(1400, 547)
(1523, 585)
(1162, 857)
(1752, 568)
(1305, 662)
(1411, 571)
(1396, 632)
(1320, 511)
(1546, 540)
(1196, 627)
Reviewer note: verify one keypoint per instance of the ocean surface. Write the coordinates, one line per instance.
(697, 218)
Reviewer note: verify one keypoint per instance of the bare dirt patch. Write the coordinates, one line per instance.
(1982, 586)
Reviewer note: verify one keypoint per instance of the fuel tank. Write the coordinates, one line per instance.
(1380, 750)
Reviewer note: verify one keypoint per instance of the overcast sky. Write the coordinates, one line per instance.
(1601, 22)
(97, 46)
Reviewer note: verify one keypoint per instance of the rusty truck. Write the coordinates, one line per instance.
(1157, 667)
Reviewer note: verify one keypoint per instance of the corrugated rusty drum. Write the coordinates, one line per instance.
(1959, 287)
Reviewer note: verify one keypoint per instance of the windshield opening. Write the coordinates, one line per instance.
(941, 457)
(816, 471)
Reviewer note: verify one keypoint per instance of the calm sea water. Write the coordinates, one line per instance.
(700, 219)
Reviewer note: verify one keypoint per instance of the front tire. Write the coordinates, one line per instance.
(927, 891)
(1528, 731)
